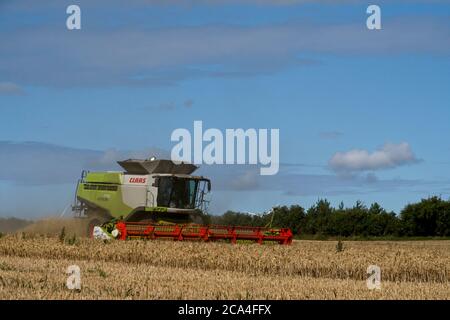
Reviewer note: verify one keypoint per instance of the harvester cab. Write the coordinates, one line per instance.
(158, 191)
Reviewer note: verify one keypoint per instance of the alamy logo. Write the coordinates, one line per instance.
(241, 146)
(74, 280)
(73, 21)
(374, 279)
(373, 22)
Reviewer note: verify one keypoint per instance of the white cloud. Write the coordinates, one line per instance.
(165, 56)
(389, 156)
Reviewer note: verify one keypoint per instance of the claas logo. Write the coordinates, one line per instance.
(138, 180)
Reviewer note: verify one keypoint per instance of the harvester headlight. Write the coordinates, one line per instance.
(115, 233)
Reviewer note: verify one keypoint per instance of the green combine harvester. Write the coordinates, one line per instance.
(154, 199)
(157, 191)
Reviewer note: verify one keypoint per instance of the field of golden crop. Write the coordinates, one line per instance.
(34, 267)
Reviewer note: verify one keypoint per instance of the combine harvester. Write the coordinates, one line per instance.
(157, 199)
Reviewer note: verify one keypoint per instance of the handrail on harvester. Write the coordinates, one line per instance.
(177, 232)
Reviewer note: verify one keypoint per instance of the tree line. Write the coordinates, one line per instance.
(429, 217)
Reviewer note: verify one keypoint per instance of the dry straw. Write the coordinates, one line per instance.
(34, 266)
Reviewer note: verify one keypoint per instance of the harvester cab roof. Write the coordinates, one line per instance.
(161, 168)
(137, 166)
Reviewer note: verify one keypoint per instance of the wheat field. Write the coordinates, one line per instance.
(34, 267)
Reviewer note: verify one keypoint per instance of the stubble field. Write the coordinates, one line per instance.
(34, 267)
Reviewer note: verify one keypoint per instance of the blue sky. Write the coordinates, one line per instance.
(363, 115)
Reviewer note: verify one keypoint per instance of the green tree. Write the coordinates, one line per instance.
(318, 218)
(429, 217)
(284, 217)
